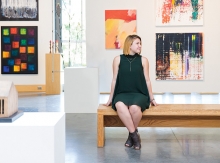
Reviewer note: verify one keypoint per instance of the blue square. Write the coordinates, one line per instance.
(11, 62)
(31, 67)
(6, 40)
(30, 41)
(5, 68)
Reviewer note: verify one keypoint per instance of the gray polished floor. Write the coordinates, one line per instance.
(159, 145)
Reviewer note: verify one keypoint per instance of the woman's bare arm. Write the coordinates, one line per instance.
(145, 64)
(115, 66)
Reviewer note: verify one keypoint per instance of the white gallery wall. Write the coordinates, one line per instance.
(44, 36)
(98, 56)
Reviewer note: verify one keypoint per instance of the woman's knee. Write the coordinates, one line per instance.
(120, 106)
(134, 109)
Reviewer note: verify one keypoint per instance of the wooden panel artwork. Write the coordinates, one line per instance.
(53, 74)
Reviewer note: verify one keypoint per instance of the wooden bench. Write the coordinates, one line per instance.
(164, 115)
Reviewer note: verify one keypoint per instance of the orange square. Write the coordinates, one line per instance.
(17, 61)
(15, 44)
(30, 49)
(13, 31)
(17, 68)
(6, 54)
(22, 49)
(23, 66)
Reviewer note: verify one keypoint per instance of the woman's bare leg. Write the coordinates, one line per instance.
(125, 116)
(136, 114)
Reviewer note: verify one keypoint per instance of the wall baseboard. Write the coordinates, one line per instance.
(42, 88)
(104, 92)
(31, 88)
(211, 93)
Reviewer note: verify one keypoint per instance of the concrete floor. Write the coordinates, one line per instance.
(159, 145)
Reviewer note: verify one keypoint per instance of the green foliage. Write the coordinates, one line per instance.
(72, 33)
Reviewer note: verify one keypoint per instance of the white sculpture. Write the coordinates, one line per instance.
(8, 99)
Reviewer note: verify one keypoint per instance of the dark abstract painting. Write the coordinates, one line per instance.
(19, 53)
(179, 56)
(19, 10)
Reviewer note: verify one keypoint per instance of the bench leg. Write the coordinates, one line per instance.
(100, 131)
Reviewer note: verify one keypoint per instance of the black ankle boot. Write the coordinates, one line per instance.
(129, 142)
(138, 135)
(136, 140)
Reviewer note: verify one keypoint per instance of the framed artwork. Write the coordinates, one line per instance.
(118, 25)
(179, 56)
(19, 10)
(19, 50)
(179, 12)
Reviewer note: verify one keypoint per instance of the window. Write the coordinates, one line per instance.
(70, 31)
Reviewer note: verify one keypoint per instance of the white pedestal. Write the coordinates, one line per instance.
(33, 138)
(81, 90)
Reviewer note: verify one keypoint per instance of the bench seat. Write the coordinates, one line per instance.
(164, 115)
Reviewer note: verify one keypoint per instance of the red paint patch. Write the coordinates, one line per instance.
(166, 11)
(127, 15)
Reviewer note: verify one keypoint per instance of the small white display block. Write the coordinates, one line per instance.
(34, 138)
(81, 90)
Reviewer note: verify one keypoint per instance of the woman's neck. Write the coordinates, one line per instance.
(131, 53)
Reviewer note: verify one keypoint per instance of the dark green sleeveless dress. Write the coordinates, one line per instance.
(131, 87)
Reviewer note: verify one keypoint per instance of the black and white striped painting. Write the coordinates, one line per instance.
(23, 10)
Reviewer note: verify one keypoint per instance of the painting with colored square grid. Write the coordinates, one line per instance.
(19, 50)
(179, 12)
(118, 25)
(179, 56)
(19, 10)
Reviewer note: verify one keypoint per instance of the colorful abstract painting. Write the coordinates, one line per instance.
(118, 25)
(179, 12)
(179, 56)
(17, 10)
(19, 54)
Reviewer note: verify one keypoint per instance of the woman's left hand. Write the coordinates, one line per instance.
(153, 103)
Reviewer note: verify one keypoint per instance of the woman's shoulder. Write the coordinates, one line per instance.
(117, 59)
(119, 56)
(144, 58)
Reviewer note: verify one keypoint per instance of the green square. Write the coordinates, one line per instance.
(6, 31)
(30, 58)
(23, 31)
(23, 42)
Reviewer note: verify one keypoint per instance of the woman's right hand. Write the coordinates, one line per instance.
(108, 103)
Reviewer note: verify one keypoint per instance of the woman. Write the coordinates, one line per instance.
(131, 91)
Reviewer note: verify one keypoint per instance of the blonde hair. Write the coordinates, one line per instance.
(128, 42)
